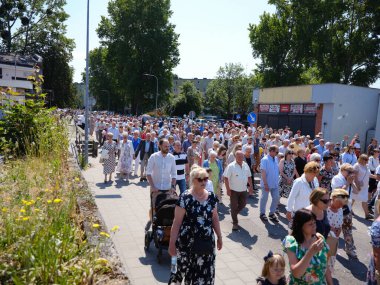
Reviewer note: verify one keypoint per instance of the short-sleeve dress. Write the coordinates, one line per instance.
(195, 268)
(288, 171)
(109, 164)
(315, 273)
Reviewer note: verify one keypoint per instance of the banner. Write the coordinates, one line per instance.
(296, 109)
(309, 108)
(285, 108)
(264, 108)
(274, 108)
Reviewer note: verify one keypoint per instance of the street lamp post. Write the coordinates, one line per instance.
(87, 91)
(151, 75)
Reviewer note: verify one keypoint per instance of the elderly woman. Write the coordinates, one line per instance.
(345, 180)
(193, 154)
(192, 235)
(287, 172)
(316, 157)
(349, 155)
(327, 172)
(339, 198)
(302, 188)
(217, 171)
(362, 180)
(109, 163)
(124, 165)
(306, 250)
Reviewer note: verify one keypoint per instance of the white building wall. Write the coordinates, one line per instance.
(352, 110)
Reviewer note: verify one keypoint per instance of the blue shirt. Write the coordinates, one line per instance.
(135, 143)
(320, 149)
(270, 166)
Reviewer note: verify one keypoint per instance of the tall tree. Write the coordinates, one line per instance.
(326, 41)
(189, 99)
(140, 39)
(230, 86)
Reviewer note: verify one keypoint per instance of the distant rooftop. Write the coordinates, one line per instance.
(21, 60)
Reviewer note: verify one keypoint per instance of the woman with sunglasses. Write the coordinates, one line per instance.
(192, 235)
(339, 198)
(320, 199)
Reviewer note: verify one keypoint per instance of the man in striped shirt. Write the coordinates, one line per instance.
(182, 166)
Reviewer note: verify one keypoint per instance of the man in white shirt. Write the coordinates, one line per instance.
(114, 130)
(161, 171)
(236, 176)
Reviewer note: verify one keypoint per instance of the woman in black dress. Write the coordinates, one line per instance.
(192, 236)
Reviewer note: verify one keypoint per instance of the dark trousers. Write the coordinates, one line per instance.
(238, 201)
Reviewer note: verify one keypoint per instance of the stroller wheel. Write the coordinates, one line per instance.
(148, 238)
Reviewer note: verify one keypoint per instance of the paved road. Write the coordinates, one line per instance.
(240, 260)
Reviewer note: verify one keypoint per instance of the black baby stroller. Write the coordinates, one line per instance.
(162, 215)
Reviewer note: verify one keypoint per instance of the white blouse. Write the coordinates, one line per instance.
(335, 219)
(373, 163)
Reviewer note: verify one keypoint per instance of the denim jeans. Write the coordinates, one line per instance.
(182, 185)
(264, 199)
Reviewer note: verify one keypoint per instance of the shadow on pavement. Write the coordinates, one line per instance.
(243, 237)
(363, 221)
(253, 200)
(160, 271)
(357, 269)
(276, 231)
(102, 185)
(223, 210)
(121, 183)
(111, 196)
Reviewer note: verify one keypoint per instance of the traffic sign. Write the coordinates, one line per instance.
(192, 114)
(237, 116)
(252, 118)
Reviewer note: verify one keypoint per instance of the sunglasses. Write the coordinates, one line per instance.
(325, 201)
(343, 196)
(290, 152)
(317, 160)
(200, 180)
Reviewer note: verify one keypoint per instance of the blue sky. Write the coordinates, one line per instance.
(212, 33)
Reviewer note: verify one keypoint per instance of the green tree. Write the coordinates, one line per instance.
(140, 39)
(318, 41)
(230, 89)
(189, 99)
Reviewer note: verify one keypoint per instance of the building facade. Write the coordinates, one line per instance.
(15, 70)
(200, 84)
(333, 109)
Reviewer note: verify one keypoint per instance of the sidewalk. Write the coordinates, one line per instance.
(239, 262)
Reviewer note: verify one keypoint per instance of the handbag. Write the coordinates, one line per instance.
(203, 245)
(104, 155)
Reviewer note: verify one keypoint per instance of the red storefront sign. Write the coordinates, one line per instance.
(309, 108)
(264, 108)
(296, 109)
(284, 108)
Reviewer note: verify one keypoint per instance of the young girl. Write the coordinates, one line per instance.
(273, 272)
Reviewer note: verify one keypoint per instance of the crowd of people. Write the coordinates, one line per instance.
(321, 180)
